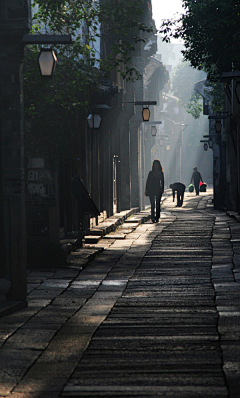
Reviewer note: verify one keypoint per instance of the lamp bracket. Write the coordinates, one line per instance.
(221, 116)
(142, 103)
(46, 39)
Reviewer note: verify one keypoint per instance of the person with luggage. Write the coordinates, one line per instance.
(196, 178)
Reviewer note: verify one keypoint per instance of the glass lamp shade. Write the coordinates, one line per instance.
(153, 131)
(205, 146)
(47, 61)
(146, 114)
(218, 126)
(94, 121)
(210, 143)
(168, 146)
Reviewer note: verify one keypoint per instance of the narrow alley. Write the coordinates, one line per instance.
(155, 314)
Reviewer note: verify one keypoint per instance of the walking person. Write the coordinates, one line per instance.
(196, 178)
(155, 188)
(180, 189)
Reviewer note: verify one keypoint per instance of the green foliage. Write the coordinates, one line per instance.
(217, 96)
(118, 22)
(183, 81)
(55, 109)
(194, 106)
(211, 35)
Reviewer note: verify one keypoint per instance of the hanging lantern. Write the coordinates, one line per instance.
(94, 120)
(47, 61)
(146, 114)
(154, 131)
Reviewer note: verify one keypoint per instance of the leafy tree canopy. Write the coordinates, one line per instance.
(210, 32)
(55, 109)
(183, 80)
(117, 22)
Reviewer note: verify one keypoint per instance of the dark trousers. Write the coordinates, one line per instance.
(156, 198)
(196, 185)
(180, 196)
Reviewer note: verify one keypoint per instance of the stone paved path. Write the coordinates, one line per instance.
(156, 314)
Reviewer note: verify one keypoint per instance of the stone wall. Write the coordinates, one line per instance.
(14, 22)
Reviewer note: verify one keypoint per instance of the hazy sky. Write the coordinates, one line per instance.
(165, 9)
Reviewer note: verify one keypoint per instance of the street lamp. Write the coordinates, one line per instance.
(146, 114)
(205, 146)
(210, 143)
(47, 61)
(168, 146)
(94, 120)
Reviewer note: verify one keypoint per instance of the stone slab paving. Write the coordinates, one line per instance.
(156, 314)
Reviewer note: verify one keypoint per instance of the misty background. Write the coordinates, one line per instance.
(182, 80)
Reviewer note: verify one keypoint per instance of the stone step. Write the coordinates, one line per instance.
(115, 236)
(134, 220)
(90, 239)
(96, 231)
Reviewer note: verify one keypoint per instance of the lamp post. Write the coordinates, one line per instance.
(210, 141)
(12, 188)
(145, 110)
(47, 58)
(205, 144)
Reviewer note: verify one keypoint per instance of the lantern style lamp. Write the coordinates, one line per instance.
(94, 120)
(210, 143)
(154, 131)
(146, 114)
(47, 61)
(218, 126)
(168, 146)
(205, 146)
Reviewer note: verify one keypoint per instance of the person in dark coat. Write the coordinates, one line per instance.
(180, 189)
(196, 178)
(155, 188)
